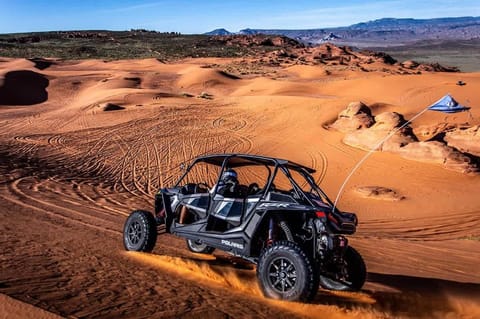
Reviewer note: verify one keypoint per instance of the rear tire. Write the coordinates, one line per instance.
(140, 231)
(198, 247)
(285, 272)
(356, 273)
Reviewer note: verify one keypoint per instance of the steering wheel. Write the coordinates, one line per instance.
(202, 188)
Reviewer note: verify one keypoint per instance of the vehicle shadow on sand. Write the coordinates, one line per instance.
(383, 295)
(410, 296)
(396, 295)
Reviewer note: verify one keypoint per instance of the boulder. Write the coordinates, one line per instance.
(465, 139)
(355, 108)
(388, 121)
(370, 138)
(385, 132)
(379, 192)
(439, 153)
(426, 132)
(409, 64)
(356, 116)
(385, 123)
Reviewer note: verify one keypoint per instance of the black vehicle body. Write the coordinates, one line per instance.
(270, 226)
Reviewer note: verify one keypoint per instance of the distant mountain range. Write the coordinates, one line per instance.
(381, 32)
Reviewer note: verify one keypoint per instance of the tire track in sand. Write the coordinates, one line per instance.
(21, 198)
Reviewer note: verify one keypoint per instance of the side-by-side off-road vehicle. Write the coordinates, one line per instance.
(276, 217)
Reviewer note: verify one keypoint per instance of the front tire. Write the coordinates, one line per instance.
(285, 272)
(198, 247)
(355, 273)
(140, 231)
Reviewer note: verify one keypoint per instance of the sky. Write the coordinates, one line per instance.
(188, 16)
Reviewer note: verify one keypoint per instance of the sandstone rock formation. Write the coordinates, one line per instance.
(439, 153)
(366, 132)
(356, 116)
(465, 139)
(379, 192)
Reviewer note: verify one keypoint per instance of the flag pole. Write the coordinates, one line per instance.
(372, 151)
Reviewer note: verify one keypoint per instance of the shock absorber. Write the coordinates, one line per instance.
(288, 233)
(271, 231)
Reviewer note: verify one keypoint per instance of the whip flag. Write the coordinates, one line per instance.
(447, 104)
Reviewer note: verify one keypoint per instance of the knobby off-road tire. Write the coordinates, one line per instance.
(198, 247)
(356, 273)
(285, 272)
(140, 231)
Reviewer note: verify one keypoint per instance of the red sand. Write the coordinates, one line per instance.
(71, 173)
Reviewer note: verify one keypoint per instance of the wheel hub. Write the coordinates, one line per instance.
(134, 232)
(282, 274)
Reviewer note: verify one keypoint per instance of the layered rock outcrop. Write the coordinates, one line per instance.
(387, 132)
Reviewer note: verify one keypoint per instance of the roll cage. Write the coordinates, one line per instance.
(273, 166)
(291, 231)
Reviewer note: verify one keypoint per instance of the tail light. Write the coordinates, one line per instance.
(320, 214)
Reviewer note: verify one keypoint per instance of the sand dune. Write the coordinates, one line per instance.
(198, 79)
(72, 171)
(9, 64)
(11, 308)
(16, 84)
(307, 72)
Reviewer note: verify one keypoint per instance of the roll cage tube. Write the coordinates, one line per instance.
(314, 186)
(222, 169)
(225, 165)
(296, 188)
(269, 178)
(189, 167)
